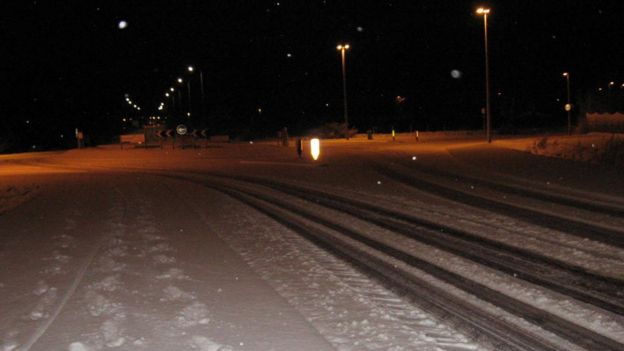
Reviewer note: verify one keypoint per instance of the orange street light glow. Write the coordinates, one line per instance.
(483, 11)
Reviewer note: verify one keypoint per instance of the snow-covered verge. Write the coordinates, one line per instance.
(597, 148)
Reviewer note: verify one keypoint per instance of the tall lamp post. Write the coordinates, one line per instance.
(488, 118)
(181, 81)
(568, 105)
(343, 48)
(191, 69)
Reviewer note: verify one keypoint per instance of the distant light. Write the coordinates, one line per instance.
(180, 80)
(190, 68)
(171, 89)
(122, 24)
(167, 94)
(315, 148)
(160, 108)
(456, 74)
(289, 55)
(359, 29)
(483, 11)
(414, 158)
(611, 84)
(188, 114)
(565, 74)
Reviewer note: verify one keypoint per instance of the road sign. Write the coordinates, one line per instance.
(181, 129)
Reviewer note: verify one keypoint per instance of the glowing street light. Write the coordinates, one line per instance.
(180, 80)
(190, 69)
(488, 124)
(568, 105)
(171, 90)
(343, 48)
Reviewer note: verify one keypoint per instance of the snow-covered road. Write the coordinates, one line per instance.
(99, 251)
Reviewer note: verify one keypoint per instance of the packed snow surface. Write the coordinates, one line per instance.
(99, 251)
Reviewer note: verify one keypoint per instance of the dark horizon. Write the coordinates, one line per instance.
(70, 65)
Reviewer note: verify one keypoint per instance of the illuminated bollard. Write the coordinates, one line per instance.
(315, 148)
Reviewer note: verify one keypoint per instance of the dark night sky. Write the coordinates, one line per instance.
(67, 64)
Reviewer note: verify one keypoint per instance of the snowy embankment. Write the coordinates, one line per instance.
(13, 195)
(595, 148)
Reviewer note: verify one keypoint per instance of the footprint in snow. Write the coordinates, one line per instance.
(110, 283)
(99, 305)
(41, 288)
(173, 293)
(112, 334)
(161, 247)
(192, 315)
(78, 346)
(173, 273)
(204, 344)
(164, 259)
(41, 309)
(108, 264)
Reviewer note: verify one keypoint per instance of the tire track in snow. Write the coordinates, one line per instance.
(381, 320)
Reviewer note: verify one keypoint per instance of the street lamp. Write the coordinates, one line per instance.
(343, 48)
(568, 106)
(191, 69)
(488, 124)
